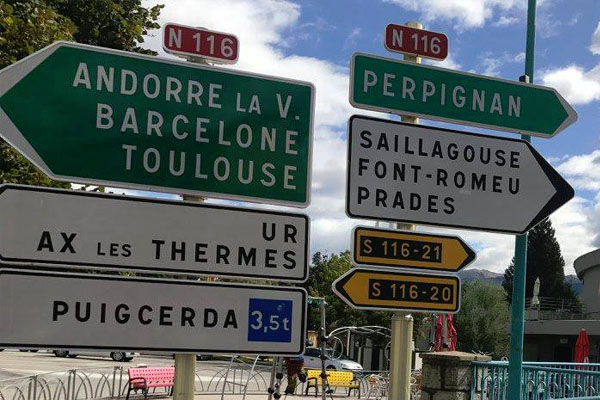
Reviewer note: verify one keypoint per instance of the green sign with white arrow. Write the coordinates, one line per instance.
(93, 115)
(388, 85)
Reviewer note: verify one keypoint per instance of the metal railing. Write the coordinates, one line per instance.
(237, 377)
(550, 308)
(540, 381)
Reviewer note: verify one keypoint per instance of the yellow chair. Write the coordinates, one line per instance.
(335, 379)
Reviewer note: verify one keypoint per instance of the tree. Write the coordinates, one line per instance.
(117, 24)
(544, 260)
(482, 323)
(324, 270)
(27, 26)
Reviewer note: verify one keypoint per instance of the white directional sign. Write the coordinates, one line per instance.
(431, 176)
(67, 227)
(84, 311)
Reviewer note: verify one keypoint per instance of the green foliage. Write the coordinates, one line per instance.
(27, 26)
(482, 323)
(544, 260)
(14, 168)
(117, 24)
(324, 270)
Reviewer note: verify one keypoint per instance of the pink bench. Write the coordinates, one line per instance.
(144, 378)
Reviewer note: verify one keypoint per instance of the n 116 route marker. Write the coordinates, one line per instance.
(432, 176)
(188, 41)
(399, 249)
(389, 85)
(99, 116)
(67, 227)
(374, 289)
(84, 311)
(418, 42)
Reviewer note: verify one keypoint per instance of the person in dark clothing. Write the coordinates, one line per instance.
(295, 373)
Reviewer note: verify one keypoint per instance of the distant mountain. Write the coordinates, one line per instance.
(575, 283)
(469, 275)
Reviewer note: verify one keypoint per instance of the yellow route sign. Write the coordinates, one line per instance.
(389, 248)
(372, 289)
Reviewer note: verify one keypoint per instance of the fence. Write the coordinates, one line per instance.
(238, 377)
(549, 308)
(541, 381)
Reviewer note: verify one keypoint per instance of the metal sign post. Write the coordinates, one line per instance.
(402, 323)
(515, 366)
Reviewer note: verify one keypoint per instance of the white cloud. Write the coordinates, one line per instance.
(449, 62)
(547, 25)
(492, 63)
(505, 21)
(574, 20)
(595, 46)
(582, 171)
(575, 84)
(520, 57)
(465, 13)
(575, 230)
(351, 39)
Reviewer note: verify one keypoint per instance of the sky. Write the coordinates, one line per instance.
(314, 40)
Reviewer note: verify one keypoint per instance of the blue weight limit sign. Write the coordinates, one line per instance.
(270, 320)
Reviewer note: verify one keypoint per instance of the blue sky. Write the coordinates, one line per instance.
(313, 40)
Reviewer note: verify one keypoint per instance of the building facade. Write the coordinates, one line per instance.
(552, 325)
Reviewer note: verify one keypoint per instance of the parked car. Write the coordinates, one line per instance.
(312, 360)
(121, 356)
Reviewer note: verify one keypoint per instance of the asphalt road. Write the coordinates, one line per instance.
(14, 363)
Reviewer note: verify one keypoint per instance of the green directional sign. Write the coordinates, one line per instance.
(93, 115)
(388, 85)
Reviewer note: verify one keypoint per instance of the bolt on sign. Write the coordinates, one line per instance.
(44, 226)
(431, 176)
(418, 42)
(389, 85)
(374, 289)
(197, 42)
(399, 249)
(84, 311)
(115, 118)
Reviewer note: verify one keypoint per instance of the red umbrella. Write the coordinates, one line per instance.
(450, 331)
(582, 348)
(453, 335)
